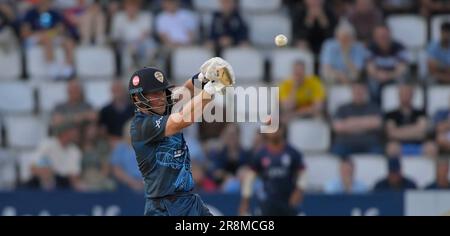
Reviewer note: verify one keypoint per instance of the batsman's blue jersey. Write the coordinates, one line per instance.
(164, 162)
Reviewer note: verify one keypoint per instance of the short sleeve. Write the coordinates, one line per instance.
(153, 127)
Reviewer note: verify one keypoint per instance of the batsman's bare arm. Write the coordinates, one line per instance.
(216, 74)
(180, 120)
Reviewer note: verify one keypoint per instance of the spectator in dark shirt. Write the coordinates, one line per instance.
(114, 115)
(395, 181)
(312, 25)
(227, 28)
(406, 128)
(229, 159)
(387, 61)
(357, 125)
(441, 181)
(43, 25)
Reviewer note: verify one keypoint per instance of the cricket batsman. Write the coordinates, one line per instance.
(161, 151)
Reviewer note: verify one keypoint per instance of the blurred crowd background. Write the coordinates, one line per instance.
(364, 89)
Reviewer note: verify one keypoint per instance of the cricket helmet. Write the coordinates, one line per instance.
(149, 80)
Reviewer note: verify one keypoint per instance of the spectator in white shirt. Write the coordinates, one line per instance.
(56, 163)
(176, 26)
(131, 31)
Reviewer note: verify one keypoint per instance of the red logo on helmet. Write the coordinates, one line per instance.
(136, 80)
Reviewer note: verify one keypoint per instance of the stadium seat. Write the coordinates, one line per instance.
(51, 94)
(24, 132)
(310, 135)
(320, 169)
(248, 64)
(209, 5)
(438, 98)
(187, 61)
(16, 97)
(436, 22)
(391, 101)
(264, 28)
(98, 93)
(420, 169)
(258, 6)
(94, 62)
(10, 65)
(338, 95)
(404, 26)
(370, 168)
(282, 61)
(37, 67)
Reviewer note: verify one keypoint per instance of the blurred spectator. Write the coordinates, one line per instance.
(312, 25)
(441, 122)
(387, 62)
(394, 181)
(346, 182)
(365, 16)
(8, 40)
(281, 170)
(75, 109)
(124, 166)
(439, 56)
(399, 6)
(302, 95)
(203, 184)
(176, 26)
(406, 128)
(87, 21)
(95, 161)
(113, 116)
(229, 159)
(7, 171)
(343, 58)
(227, 28)
(358, 125)
(442, 174)
(431, 7)
(57, 160)
(43, 25)
(131, 31)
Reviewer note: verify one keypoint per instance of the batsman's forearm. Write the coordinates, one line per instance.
(190, 112)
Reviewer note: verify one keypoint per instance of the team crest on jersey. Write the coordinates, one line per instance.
(159, 76)
(136, 80)
(286, 160)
